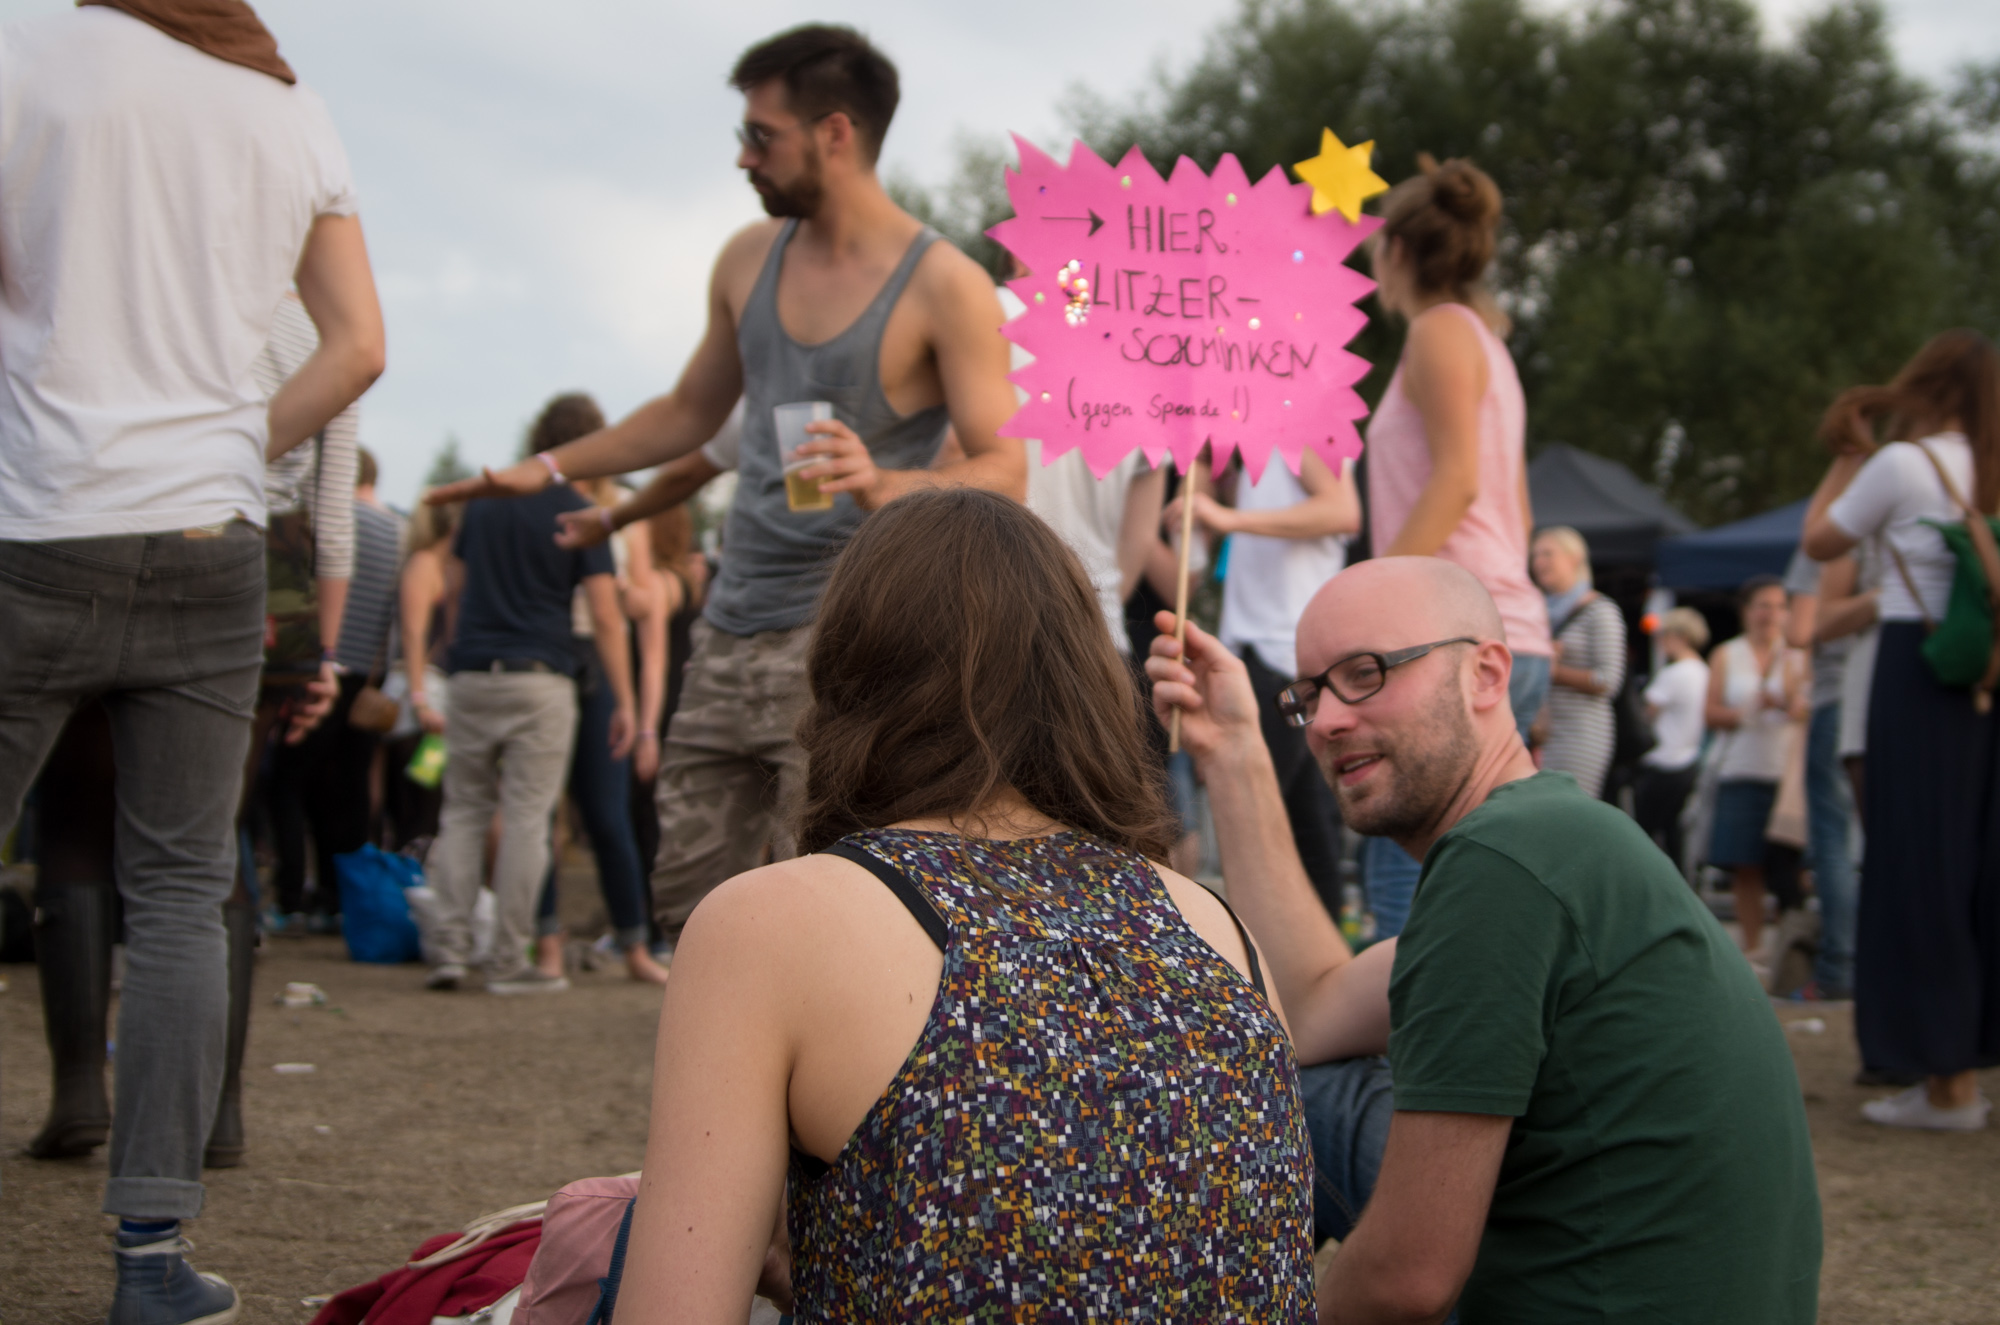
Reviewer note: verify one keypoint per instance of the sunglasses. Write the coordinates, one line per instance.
(758, 138)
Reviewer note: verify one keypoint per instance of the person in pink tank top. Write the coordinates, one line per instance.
(1447, 447)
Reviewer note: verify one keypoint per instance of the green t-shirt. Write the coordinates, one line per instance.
(1557, 970)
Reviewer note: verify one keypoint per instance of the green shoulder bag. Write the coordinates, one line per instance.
(1963, 649)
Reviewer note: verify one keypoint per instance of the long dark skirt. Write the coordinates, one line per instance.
(1927, 956)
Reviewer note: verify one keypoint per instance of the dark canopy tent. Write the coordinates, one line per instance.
(1617, 514)
(1722, 559)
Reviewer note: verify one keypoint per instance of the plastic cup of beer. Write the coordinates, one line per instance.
(801, 494)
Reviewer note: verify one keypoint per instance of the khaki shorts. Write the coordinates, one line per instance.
(730, 769)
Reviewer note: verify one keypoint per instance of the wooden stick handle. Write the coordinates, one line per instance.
(1181, 594)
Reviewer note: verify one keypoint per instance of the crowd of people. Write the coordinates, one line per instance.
(947, 1022)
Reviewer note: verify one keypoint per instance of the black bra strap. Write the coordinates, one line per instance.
(906, 892)
(1249, 949)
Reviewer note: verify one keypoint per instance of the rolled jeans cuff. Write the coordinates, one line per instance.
(152, 1198)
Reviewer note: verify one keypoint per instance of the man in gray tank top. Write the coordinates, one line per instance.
(841, 297)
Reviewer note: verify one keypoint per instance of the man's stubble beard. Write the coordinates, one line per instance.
(801, 200)
(1421, 773)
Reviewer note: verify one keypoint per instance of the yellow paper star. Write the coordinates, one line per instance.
(1341, 177)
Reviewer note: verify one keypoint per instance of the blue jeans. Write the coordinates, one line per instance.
(1347, 1106)
(600, 787)
(168, 630)
(1829, 817)
(1389, 873)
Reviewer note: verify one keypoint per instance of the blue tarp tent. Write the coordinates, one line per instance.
(1721, 559)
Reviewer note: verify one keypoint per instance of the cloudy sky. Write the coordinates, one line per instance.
(545, 185)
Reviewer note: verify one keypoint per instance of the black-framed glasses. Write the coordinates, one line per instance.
(1354, 678)
(758, 138)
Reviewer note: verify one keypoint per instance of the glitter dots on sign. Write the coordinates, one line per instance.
(1072, 279)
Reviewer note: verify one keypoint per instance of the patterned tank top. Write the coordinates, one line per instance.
(1100, 1119)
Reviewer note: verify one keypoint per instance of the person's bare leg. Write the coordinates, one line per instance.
(549, 953)
(640, 965)
(1952, 1092)
(1749, 887)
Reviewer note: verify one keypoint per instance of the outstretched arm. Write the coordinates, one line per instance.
(1338, 1003)
(676, 481)
(664, 428)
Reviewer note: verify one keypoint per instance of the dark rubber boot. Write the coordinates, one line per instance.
(73, 948)
(225, 1141)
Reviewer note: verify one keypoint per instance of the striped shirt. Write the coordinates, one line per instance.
(320, 471)
(1582, 728)
(371, 593)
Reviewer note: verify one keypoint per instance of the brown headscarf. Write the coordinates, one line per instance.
(227, 29)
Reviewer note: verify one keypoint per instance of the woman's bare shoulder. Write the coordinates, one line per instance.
(793, 911)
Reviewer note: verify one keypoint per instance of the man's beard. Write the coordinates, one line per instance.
(1418, 776)
(801, 200)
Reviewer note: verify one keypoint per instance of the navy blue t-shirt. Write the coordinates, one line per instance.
(518, 583)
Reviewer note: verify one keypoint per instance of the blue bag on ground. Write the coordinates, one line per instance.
(374, 915)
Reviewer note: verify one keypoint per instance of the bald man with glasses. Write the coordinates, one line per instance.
(1593, 1113)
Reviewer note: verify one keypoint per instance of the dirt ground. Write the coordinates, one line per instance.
(424, 1110)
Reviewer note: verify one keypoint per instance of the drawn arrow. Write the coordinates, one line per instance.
(1096, 221)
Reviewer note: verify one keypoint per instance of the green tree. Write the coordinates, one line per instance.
(446, 466)
(1707, 234)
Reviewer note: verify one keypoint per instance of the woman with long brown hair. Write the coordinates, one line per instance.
(1927, 955)
(1010, 1064)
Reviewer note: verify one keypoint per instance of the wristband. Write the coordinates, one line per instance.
(555, 470)
(604, 518)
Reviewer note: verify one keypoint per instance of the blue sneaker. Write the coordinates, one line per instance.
(156, 1285)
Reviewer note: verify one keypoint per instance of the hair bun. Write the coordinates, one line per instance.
(1462, 190)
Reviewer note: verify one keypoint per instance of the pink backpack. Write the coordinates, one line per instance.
(578, 1230)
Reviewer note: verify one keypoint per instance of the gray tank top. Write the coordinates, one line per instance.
(775, 560)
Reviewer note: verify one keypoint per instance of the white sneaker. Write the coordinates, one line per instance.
(1913, 1108)
(445, 976)
(530, 981)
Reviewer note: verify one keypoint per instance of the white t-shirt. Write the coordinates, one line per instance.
(156, 201)
(1893, 494)
(1680, 693)
(1270, 580)
(1086, 512)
